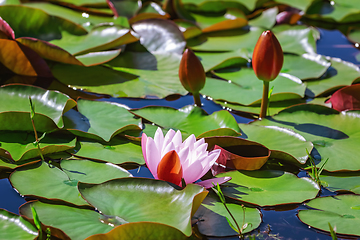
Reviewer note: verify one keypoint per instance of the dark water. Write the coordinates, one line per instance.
(284, 223)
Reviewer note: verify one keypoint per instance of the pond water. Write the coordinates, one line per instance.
(279, 223)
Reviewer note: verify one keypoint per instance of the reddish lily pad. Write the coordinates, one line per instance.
(346, 98)
(49, 51)
(5, 30)
(22, 60)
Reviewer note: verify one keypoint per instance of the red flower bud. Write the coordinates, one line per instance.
(169, 168)
(191, 72)
(268, 57)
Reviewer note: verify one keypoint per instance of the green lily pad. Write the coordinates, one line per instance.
(189, 119)
(157, 75)
(160, 36)
(267, 19)
(339, 75)
(216, 60)
(342, 182)
(342, 212)
(243, 87)
(211, 217)
(283, 143)
(87, 78)
(15, 108)
(138, 199)
(92, 172)
(46, 181)
(143, 230)
(101, 120)
(13, 226)
(315, 65)
(86, 20)
(296, 39)
(213, 6)
(334, 136)
(75, 223)
(20, 146)
(31, 22)
(274, 108)
(100, 38)
(300, 4)
(117, 151)
(96, 58)
(268, 187)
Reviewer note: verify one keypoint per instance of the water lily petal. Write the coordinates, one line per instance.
(159, 138)
(169, 168)
(143, 145)
(209, 182)
(168, 139)
(193, 173)
(177, 139)
(152, 156)
(210, 160)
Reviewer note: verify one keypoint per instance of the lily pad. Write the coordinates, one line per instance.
(91, 171)
(100, 38)
(31, 22)
(283, 143)
(244, 88)
(189, 119)
(341, 182)
(340, 74)
(49, 107)
(137, 199)
(342, 211)
(267, 19)
(335, 136)
(75, 223)
(13, 226)
(19, 146)
(101, 120)
(117, 151)
(212, 217)
(268, 187)
(96, 58)
(46, 181)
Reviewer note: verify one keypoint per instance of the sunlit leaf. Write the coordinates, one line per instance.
(13, 226)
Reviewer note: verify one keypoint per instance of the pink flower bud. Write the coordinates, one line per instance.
(267, 57)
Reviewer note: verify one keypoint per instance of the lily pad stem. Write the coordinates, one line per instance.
(265, 99)
(197, 99)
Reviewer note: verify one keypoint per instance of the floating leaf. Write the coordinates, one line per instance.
(284, 143)
(346, 98)
(212, 217)
(244, 88)
(334, 136)
(46, 181)
(117, 151)
(101, 120)
(189, 119)
(343, 182)
(13, 226)
(268, 187)
(31, 22)
(150, 200)
(96, 58)
(15, 108)
(337, 210)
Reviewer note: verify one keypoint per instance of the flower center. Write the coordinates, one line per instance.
(169, 168)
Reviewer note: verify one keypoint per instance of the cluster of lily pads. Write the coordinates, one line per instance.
(60, 57)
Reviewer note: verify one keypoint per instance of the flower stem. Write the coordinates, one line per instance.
(265, 99)
(197, 99)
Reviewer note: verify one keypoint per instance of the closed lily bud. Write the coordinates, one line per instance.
(191, 72)
(268, 57)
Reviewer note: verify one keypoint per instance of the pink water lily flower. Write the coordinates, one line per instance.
(170, 159)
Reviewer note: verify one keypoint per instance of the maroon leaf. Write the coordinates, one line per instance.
(346, 98)
(5, 30)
